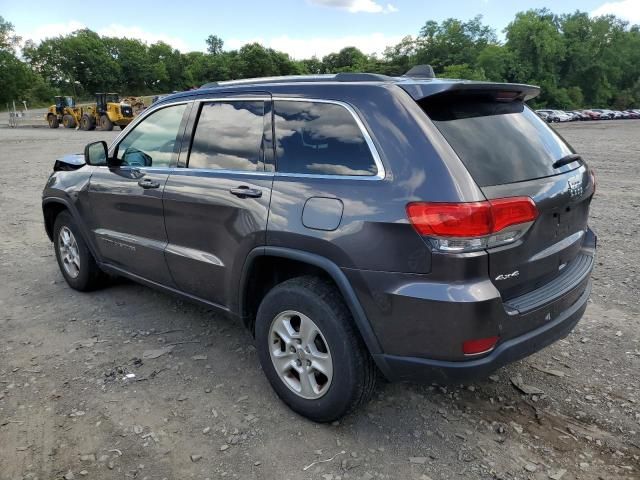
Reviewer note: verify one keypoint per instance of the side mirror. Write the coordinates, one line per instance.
(96, 153)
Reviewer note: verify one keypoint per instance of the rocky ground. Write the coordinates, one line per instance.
(127, 382)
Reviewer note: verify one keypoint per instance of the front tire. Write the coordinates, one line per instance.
(68, 121)
(77, 265)
(53, 121)
(311, 351)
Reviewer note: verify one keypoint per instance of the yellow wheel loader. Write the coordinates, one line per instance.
(63, 111)
(106, 112)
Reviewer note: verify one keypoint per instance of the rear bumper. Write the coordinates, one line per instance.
(399, 368)
(421, 323)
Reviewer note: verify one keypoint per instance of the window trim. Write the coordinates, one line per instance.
(380, 174)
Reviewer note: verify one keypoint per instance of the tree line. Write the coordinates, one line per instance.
(578, 60)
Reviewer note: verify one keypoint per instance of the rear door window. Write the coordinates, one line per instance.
(498, 142)
(229, 136)
(320, 138)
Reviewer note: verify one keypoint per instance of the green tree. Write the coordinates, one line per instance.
(535, 39)
(214, 44)
(349, 59)
(452, 42)
(497, 62)
(464, 71)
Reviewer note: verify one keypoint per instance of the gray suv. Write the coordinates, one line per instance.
(359, 225)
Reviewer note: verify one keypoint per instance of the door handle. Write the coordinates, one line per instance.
(148, 183)
(243, 192)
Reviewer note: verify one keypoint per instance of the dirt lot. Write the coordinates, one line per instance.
(204, 409)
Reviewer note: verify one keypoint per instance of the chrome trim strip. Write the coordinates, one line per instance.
(194, 254)
(128, 240)
(188, 171)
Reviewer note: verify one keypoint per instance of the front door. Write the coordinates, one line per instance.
(216, 205)
(126, 201)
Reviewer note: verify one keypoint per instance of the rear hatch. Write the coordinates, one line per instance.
(510, 152)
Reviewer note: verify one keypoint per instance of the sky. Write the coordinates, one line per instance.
(302, 28)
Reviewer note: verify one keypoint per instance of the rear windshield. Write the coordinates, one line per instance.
(498, 142)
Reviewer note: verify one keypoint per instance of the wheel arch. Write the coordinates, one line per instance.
(306, 263)
(52, 207)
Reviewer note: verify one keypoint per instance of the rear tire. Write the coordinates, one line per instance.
(105, 123)
(325, 329)
(53, 121)
(87, 123)
(77, 265)
(68, 121)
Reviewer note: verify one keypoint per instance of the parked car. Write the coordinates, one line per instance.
(544, 115)
(556, 115)
(357, 224)
(579, 115)
(604, 113)
(592, 114)
(633, 113)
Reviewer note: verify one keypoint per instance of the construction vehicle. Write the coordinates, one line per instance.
(63, 111)
(106, 112)
(137, 104)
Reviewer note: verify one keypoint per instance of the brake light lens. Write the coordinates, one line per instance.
(479, 345)
(469, 226)
(512, 211)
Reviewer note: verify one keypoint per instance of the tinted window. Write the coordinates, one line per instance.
(152, 142)
(498, 142)
(320, 138)
(228, 136)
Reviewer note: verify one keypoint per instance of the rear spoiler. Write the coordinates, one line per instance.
(501, 92)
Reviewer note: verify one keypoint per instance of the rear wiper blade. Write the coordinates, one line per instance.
(572, 157)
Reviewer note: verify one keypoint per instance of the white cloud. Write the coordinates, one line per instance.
(51, 30)
(625, 9)
(114, 30)
(356, 6)
(300, 48)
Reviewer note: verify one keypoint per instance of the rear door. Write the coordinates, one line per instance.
(510, 151)
(216, 203)
(126, 201)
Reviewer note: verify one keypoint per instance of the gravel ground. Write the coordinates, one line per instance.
(202, 409)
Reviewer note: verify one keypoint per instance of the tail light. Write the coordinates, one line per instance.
(478, 346)
(469, 226)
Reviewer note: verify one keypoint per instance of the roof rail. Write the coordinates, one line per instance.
(420, 71)
(361, 77)
(338, 77)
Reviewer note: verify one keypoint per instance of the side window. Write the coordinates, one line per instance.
(152, 142)
(320, 138)
(228, 136)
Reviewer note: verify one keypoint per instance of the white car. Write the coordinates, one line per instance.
(556, 115)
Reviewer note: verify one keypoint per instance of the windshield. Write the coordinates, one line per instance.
(498, 142)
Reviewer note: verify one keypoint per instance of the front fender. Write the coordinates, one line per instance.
(68, 199)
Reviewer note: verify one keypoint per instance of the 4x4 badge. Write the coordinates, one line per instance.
(507, 276)
(575, 186)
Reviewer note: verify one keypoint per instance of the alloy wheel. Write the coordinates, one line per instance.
(300, 354)
(69, 252)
